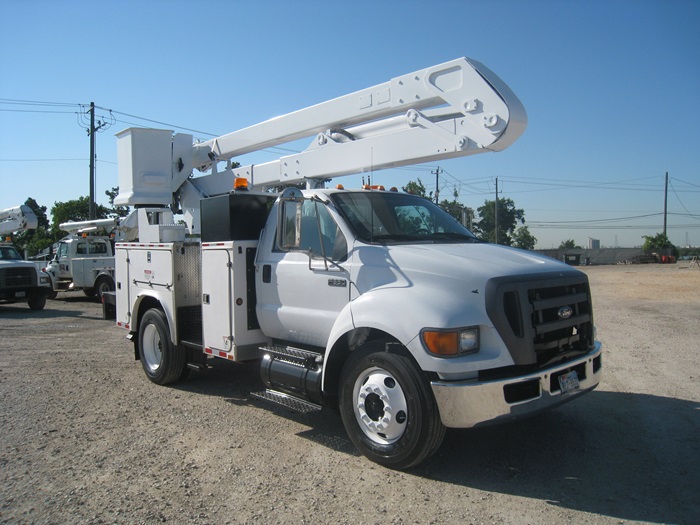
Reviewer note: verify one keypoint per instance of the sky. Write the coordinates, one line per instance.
(610, 88)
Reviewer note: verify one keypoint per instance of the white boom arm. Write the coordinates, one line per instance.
(449, 110)
(16, 219)
(126, 228)
(86, 226)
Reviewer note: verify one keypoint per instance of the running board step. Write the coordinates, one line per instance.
(199, 366)
(294, 355)
(285, 400)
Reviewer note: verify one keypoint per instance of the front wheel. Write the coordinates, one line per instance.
(388, 409)
(37, 301)
(162, 361)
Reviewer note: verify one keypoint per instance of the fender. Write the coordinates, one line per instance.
(384, 310)
(150, 297)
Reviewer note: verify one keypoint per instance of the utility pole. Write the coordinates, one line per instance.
(665, 202)
(91, 132)
(495, 212)
(437, 186)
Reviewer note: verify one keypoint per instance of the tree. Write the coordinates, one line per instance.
(39, 211)
(569, 245)
(75, 210)
(658, 243)
(417, 188)
(523, 239)
(453, 207)
(508, 218)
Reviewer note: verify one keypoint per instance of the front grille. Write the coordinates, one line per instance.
(17, 277)
(555, 332)
(542, 319)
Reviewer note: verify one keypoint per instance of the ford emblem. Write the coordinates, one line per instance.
(565, 312)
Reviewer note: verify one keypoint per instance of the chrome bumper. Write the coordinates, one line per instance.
(465, 404)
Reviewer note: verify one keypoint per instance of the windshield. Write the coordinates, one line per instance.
(8, 253)
(388, 217)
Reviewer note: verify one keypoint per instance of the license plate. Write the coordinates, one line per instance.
(19, 295)
(569, 382)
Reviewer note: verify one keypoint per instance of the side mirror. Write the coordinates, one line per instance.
(289, 219)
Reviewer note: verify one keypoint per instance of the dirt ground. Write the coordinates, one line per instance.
(85, 438)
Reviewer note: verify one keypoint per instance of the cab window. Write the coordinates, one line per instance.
(318, 233)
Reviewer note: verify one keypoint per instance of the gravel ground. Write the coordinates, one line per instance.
(86, 438)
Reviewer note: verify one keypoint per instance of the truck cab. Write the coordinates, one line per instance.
(83, 262)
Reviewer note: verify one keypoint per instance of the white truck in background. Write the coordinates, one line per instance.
(375, 303)
(20, 280)
(84, 260)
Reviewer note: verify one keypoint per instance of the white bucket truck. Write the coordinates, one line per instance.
(373, 302)
(84, 260)
(20, 280)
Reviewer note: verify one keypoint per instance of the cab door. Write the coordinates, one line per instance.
(303, 274)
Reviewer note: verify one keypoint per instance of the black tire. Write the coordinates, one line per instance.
(374, 380)
(53, 295)
(162, 361)
(104, 283)
(36, 302)
(89, 292)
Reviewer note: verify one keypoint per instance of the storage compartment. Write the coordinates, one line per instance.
(239, 216)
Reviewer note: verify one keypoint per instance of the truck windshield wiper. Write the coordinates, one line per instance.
(454, 236)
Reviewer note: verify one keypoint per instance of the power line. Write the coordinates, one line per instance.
(681, 202)
(41, 160)
(20, 102)
(58, 160)
(34, 111)
(158, 122)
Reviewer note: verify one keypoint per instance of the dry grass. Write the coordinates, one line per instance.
(676, 282)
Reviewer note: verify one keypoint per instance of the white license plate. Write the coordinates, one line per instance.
(569, 382)
(19, 295)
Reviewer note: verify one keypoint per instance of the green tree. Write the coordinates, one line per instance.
(523, 239)
(417, 188)
(453, 207)
(508, 218)
(75, 210)
(658, 243)
(569, 245)
(40, 240)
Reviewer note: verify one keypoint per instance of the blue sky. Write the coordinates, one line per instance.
(610, 87)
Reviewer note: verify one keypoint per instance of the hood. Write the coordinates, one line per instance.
(465, 264)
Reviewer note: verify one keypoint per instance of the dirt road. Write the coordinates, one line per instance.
(85, 438)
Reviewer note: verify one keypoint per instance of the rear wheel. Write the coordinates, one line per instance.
(388, 409)
(104, 283)
(162, 361)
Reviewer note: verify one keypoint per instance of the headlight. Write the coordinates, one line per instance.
(451, 343)
(44, 280)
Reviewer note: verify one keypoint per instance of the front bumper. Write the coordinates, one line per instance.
(24, 293)
(465, 404)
